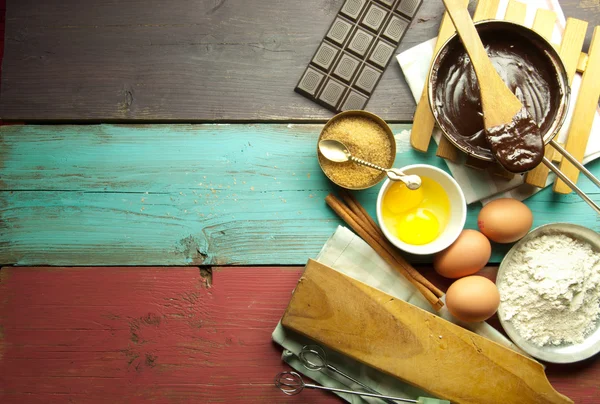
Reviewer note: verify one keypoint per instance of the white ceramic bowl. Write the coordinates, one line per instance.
(458, 210)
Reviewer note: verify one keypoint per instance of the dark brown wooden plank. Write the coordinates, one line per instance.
(209, 60)
(177, 60)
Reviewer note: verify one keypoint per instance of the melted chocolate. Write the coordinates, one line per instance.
(527, 71)
(517, 146)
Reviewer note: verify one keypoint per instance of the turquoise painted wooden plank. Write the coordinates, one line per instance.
(186, 194)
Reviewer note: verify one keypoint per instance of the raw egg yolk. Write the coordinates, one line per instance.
(419, 226)
(416, 217)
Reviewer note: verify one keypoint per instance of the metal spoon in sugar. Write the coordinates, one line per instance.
(336, 151)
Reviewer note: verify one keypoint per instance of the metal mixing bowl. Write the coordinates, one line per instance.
(527, 35)
(566, 353)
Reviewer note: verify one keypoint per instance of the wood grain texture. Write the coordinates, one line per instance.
(569, 51)
(186, 60)
(424, 122)
(412, 344)
(515, 12)
(187, 194)
(586, 10)
(133, 335)
(570, 47)
(543, 24)
(585, 110)
(138, 335)
(447, 150)
(582, 62)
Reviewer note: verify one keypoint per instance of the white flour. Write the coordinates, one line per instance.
(551, 290)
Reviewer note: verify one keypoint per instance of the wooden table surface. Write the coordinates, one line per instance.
(151, 262)
(210, 60)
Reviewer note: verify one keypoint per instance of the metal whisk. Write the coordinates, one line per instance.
(291, 383)
(313, 357)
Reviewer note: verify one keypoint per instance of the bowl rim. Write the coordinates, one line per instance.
(558, 64)
(551, 354)
(422, 249)
(377, 119)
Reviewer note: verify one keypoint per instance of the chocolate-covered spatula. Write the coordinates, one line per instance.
(514, 137)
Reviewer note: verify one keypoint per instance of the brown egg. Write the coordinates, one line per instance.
(467, 255)
(505, 220)
(473, 298)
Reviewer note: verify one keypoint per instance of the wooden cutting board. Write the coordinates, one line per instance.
(418, 347)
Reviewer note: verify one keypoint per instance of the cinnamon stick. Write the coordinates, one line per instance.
(350, 218)
(367, 221)
(358, 209)
(400, 263)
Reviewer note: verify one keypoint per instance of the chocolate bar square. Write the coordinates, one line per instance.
(325, 56)
(339, 31)
(354, 100)
(367, 79)
(395, 29)
(360, 42)
(381, 54)
(388, 3)
(373, 18)
(352, 8)
(409, 7)
(346, 68)
(310, 82)
(333, 92)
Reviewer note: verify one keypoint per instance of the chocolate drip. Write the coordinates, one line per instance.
(518, 146)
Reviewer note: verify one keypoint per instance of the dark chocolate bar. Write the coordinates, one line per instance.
(357, 48)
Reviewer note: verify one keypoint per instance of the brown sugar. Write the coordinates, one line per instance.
(366, 140)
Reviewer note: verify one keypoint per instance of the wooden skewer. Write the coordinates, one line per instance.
(351, 219)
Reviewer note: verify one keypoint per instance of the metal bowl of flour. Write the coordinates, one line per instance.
(565, 353)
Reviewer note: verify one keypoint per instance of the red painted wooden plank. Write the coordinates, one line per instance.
(131, 335)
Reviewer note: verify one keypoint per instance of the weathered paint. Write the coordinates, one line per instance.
(186, 194)
(160, 335)
(148, 334)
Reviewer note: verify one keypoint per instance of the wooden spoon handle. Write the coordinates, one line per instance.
(498, 102)
(469, 36)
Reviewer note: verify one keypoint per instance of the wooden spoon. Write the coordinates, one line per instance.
(513, 135)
